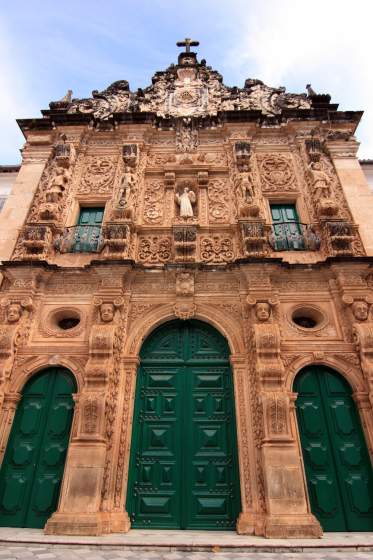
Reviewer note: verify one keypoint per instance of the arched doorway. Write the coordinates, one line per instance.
(336, 459)
(34, 460)
(184, 464)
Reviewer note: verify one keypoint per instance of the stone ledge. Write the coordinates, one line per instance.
(222, 541)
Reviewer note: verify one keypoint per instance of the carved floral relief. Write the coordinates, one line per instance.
(217, 248)
(218, 197)
(154, 249)
(153, 201)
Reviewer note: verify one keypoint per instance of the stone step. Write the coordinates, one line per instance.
(201, 541)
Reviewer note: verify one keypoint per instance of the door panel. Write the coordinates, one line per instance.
(184, 471)
(33, 464)
(337, 463)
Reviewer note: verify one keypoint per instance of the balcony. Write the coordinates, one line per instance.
(293, 236)
(79, 239)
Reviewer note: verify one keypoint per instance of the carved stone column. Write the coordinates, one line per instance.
(245, 522)
(359, 307)
(364, 406)
(116, 515)
(287, 506)
(79, 511)
(9, 402)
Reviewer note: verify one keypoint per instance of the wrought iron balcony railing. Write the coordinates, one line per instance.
(80, 239)
(293, 236)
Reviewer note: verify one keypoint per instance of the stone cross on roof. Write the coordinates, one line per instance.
(187, 43)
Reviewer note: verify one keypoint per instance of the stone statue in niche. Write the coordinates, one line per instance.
(125, 197)
(246, 187)
(320, 180)
(185, 201)
(49, 210)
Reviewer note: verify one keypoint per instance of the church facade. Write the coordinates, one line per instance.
(186, 313)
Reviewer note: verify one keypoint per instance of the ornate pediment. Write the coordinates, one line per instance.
(187, 89)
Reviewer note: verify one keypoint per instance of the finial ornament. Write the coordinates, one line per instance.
(187, 43)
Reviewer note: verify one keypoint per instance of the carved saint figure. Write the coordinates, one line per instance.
(262, 311)
(360, 310)
(125, 188)
(321, 180)
(107, 312)
(185, 201)
(245, 186)
(57, 185)
(13, 312)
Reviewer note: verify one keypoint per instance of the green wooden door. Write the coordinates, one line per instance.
(286, 228)
(33, 465)
(338, 468)
(87, 236)
(184, 467)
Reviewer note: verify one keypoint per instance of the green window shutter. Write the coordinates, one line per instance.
(286, 228)
(87, 236)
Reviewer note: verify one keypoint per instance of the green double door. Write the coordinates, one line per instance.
(34, 461)
(337, 464)
(184, 467)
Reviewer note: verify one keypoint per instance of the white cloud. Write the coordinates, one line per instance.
(325, 42)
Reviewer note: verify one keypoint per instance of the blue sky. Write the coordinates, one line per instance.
(48, 47)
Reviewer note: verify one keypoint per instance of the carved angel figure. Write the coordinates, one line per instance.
(185, 201)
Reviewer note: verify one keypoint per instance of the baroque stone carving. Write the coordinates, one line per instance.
(360, 306)
(218, 197)
(34, 243)
(188, 89)
(185, 309)
(153, 202)
(154, 249)
(14, 330)
(186, 135)
(184, 284)
(277, 407)
(50, 209)
(185, 243)
(114, 99)
(125, 200)
(90, 410)
(185, 200)
(277, 173)
(98, 175)
(217, 248)
(116, 241)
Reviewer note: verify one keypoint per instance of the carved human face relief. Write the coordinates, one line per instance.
(262, 311)
(360, 310)
(13, 313)
(107, 312)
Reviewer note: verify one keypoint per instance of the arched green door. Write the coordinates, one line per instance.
(184, 468)
(338, 467)
(34, 461)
